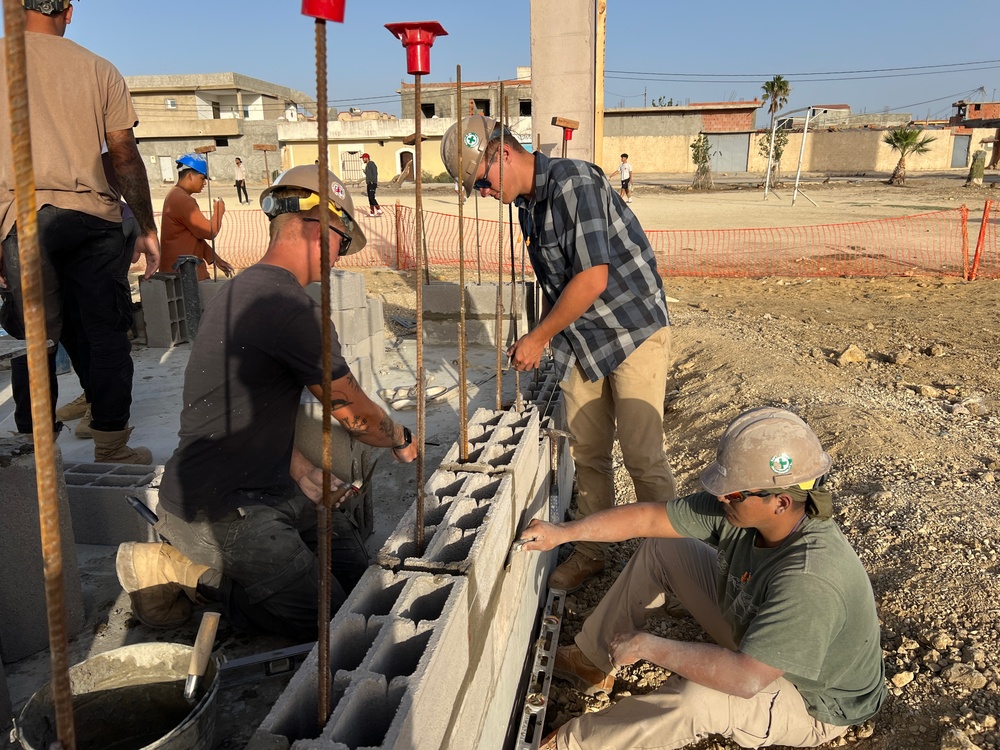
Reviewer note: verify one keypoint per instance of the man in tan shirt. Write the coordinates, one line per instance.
(184, 230)
(79, 219)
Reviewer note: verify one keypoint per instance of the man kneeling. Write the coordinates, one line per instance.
(760, 564)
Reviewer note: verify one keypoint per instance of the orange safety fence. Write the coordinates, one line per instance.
(943, 243)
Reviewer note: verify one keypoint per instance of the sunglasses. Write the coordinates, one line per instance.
(482, 183)
(345, 239)
(739, 497)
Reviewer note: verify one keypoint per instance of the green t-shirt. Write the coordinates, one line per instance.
(805, 607)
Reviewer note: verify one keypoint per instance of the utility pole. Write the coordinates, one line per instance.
(643, 96)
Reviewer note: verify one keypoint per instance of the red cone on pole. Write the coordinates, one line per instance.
(418, 38)
(327, 10)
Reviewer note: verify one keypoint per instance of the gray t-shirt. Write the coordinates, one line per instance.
(805, 607)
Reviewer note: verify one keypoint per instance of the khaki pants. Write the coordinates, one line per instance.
(681, 712)
(633, 395)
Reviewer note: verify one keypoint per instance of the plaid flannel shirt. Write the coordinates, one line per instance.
(576, 221)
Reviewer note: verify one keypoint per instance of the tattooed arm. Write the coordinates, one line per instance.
(365, 420)
(131, 175)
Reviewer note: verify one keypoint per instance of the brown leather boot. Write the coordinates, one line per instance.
(75, 409)
(161, 582)
(83, 430)
(572, 574)
(113, 448)
(572, 666)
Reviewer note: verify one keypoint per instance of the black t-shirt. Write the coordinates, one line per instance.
(259, 344)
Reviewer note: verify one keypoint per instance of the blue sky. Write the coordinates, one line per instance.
(712, 52)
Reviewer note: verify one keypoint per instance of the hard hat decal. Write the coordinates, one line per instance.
(781, 464)
(338, 190)
(471, 140)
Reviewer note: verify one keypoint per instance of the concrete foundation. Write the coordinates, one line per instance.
(23, 620)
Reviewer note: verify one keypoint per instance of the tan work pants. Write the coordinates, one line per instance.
(633, 395)
(681, 712)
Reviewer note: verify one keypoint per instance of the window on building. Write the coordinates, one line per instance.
(170, 104)
(482, 106)
(427, 110)
(525, 108)
(221, 142)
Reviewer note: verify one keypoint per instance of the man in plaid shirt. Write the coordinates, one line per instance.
(604, 314)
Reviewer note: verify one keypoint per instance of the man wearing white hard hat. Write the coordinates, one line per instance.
(236, 498)
(758, 561)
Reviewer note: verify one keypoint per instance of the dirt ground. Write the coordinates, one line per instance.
(912, 427)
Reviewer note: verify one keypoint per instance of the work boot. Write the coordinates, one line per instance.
(572, 666)
(74, 409)
(83, 430)
(549, 741)
(572, 574)
(113, 448)
(161, 582)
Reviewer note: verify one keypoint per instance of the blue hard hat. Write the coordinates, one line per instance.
(197, 162)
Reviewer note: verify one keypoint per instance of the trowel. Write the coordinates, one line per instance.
(203, 644)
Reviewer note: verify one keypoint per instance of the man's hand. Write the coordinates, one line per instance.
(405, 455)
(224, 266)
(541, 536)
(526, 352)
(220, 207)
(148, 245)
(627, 648)
(309, 477)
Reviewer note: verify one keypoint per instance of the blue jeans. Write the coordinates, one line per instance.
(262, 562)
(88, 308)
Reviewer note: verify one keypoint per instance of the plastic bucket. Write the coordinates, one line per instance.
(131, 698)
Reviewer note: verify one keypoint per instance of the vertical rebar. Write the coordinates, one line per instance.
(324, 519)
(498, 324)
(514, 312)
(38, 371)
(463, 384)
(479, 259)
(421, 405)
(974, 271)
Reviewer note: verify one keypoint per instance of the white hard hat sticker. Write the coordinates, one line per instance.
(338, 190)
(471, 140)
(781, 464)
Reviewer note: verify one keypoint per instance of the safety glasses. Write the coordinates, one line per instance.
(345, 239)
(482, 183)
(739, 497)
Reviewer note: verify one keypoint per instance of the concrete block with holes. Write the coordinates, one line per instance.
(97, 493)
(163, 310)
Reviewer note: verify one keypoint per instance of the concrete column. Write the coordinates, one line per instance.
(563, 74)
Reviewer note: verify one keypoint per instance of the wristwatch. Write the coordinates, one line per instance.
(407, 439)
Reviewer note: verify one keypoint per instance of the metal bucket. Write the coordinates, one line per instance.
(131, 698)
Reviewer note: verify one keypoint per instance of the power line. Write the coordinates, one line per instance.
(814, 73)
(794, 80)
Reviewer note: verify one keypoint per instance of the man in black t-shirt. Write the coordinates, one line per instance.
(236, 498)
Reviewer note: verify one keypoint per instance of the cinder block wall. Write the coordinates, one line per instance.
(429, 649)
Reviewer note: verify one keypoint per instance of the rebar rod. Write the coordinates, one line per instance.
(421, 405)
(463, 385)
(38, 371)
(498, 324)
(324, 519)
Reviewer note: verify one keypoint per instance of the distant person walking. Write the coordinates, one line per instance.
(371, 182)
(241, 182)
(625, 170)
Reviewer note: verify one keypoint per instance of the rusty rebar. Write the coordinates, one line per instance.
(463, 385)
(498, 324)
(421, 405)
(324, 519)
(38, 371)
(514, 312)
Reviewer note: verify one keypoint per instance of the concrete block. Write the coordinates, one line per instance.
(97, 501)
(362, 369)
(163, 310)
(347, 290)
(208, 289)
(398, 650)
(440, 300)
(23, 620)
(357, 351)
(352, 325)
(377, 345)
(376, 317)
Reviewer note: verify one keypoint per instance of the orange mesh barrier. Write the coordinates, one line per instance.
(946, 243)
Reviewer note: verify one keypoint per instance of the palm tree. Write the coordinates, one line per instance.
(776, 93)
(906, 141)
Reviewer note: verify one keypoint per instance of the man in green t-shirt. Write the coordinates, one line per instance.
(760, 564)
